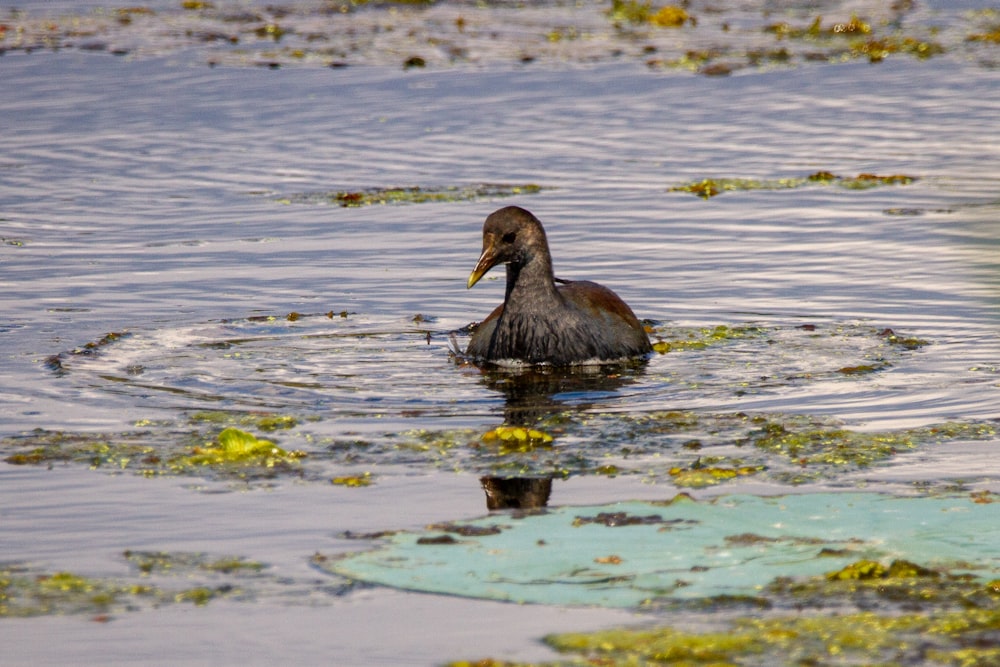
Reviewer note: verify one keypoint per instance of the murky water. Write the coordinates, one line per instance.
(184, 207)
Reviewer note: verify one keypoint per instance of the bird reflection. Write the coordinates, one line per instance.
(534, 393)
(518, 493)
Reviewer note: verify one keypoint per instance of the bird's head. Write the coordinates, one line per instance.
(511, 235)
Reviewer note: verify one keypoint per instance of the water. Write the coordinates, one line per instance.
(145, 194)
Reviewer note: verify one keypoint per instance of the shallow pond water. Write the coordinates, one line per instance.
(175, 261)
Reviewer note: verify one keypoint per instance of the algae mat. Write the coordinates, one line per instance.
(635, 553)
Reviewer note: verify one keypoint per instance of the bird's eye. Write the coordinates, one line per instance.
(509, 237)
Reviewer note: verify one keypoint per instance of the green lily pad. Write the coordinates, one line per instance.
(638, 553)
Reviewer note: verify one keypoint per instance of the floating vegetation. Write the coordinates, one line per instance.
(185, 564)
(161, 449)
(236, 449)
(863, 637)
(632, 11)
(905, 342)
(868, 576)
(704, 337)
(153, 582)
(689, 449)
(26, 593)
(116, 452)
(806, 443)
(545, 434)
(710, 187)
(411, 195)
(850, 28)
(262, 421)
(992, 36)
(420, 34)
(860, 39)
(511, 439)
(353, 481)
(56, 362)
(699, 475)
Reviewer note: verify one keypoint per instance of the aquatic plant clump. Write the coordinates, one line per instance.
(26, 593)
(155, 579)
(410, 195)
(234, 447)
(165, 449)
(711, 187)
(864, 637)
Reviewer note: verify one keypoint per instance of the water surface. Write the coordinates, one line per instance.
(182, 205)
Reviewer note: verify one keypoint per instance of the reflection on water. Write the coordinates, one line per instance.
(532, 394)
(520, 493)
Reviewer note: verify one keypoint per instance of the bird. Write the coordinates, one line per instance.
(540, 322)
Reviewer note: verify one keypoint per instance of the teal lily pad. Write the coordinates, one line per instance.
(634, 553)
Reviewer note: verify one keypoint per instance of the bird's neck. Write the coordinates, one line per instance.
(530, 283)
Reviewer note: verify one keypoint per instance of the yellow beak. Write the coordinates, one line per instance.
(486, 261)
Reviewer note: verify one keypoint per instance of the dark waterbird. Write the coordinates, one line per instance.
(538, 321)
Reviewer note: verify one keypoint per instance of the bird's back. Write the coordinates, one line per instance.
(592, 324)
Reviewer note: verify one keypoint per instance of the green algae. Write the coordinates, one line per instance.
(353, 481)
(856, 38)
(109, 451)
(543, 435)
(699, 476)
(866, 637)
(710, 187)
(511, 439)
(232, 452)
(262, 421)
(159, 578)
(25, 593)
(806, 442)
(632, 11)
(236, 448)
(691, 449)
(854, 638)
(704, 337)
(411, 195)
(186, 564)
